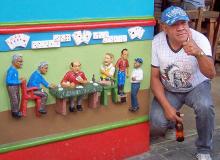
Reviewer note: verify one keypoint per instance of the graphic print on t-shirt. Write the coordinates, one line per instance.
(176, 79)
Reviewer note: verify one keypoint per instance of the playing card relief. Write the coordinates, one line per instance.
(17, 40)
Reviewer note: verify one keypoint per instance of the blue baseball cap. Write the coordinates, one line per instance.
(139, 60)
(173, 14)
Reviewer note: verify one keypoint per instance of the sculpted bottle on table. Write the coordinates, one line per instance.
(93, 78)
(179, 130)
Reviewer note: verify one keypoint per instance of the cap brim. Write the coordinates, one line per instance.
(174, 20)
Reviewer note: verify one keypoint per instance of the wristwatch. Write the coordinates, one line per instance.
(200, 54)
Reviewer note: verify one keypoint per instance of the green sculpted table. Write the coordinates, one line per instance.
(62, 94)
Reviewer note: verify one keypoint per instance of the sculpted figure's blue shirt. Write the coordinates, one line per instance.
(12, 76)
(36, 80)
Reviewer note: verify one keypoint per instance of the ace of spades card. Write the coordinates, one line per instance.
(136, 32)
(132, 33)
(77, 37)
(86, 36)
(140, 32)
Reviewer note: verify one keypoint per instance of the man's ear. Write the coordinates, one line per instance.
(71, 65)
(41, 70)
(164, 27)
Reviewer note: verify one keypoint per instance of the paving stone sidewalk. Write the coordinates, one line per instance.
(172, 150)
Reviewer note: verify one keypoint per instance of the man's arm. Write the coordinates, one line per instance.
(206, 64)
(65, 81)
(44, 82)
(11, 79)
(127, 72)
(158, 91)
(83, 79)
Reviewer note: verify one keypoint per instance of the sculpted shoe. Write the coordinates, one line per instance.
(72, 109)
(79, 107)
(133, 109)
(42, 111)
(16, 114)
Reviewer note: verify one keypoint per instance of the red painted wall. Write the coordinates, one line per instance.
(114, 144)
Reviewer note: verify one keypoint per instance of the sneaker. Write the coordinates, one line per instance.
(79, 107)
(201, 156)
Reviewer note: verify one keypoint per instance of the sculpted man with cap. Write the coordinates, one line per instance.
(36, 80)
(137, 76)
(182, 67)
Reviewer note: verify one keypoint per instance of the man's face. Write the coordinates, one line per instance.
(44, 69)
(76, 67)
(18, 63)
(125, 54)
(178, 32)
(107, 60)
(136, 64)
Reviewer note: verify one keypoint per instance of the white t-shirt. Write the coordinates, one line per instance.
(179, 72)
(137, 73)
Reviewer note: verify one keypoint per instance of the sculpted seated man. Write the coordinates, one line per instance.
(71, 79)
(36, 80)
(107, 70)
(182, 67)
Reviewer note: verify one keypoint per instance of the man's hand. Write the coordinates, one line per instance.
(103, 71)
(127, 74)
(52, 85)
(65, 84)
(170, 114)
(190, 46)
(72, 85)
(82, 81)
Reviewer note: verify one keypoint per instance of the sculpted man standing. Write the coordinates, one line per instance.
(13, 82)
